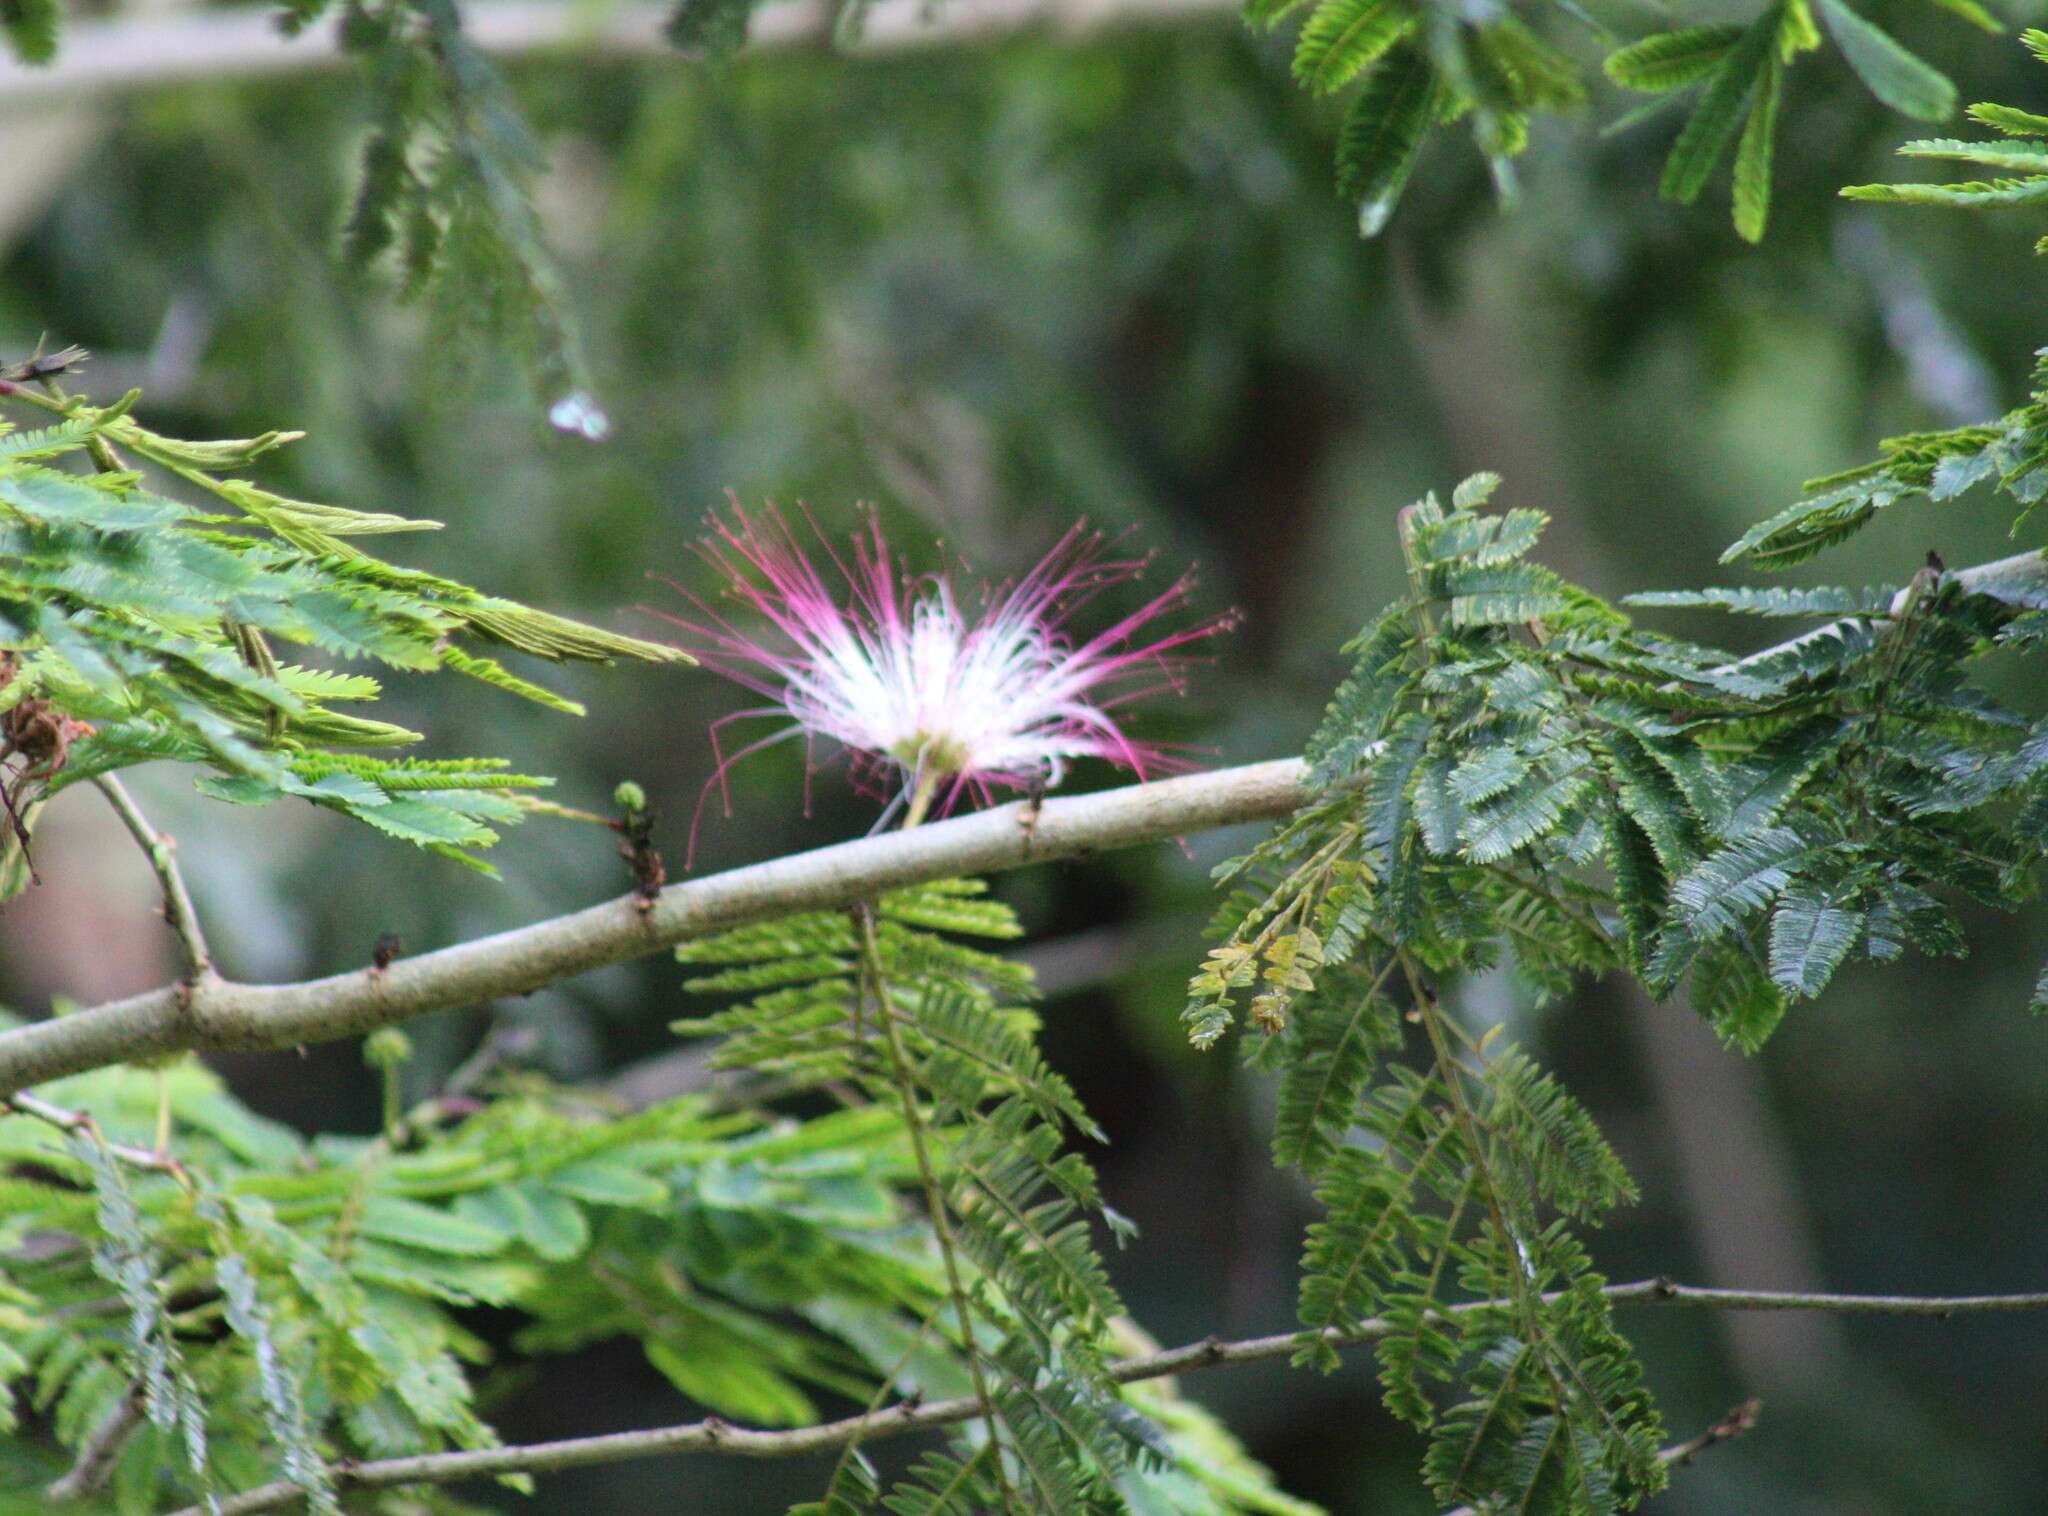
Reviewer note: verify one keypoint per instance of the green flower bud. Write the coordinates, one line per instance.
(387, 1049)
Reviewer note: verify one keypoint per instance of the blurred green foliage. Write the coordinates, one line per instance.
(999, 288)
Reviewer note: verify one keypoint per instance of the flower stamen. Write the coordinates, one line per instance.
(929, 703)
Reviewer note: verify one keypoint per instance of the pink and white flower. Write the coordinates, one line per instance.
(932, 704)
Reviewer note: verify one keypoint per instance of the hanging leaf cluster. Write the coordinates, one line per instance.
(1515, 774)
(140, 624)
(1418, 65)
(887, 1005)
(1739, 73)
(445, 197)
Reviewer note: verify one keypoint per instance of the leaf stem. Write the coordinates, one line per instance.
(874, 987)
(921, 797)
(908, 1417)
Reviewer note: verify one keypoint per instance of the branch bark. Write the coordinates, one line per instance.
(905, 1417)
(218, 1013)
(100, 1451)
(140, 52)
(1736, 1423)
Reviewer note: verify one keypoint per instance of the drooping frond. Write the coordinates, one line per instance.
(882, 999)
(1515, 774)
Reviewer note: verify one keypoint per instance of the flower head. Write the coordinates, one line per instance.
(931, 703)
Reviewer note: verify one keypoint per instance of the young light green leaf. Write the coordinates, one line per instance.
(392, 1218)
(1753, 154)
(1344, 37)
(2020, 157)
(1719, 115)
(1671, 60)
(2010, 120)
(1977, 15)
(601, 1183)
(2028, 191)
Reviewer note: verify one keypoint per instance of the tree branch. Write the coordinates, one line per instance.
(2002, 576)
(220, 1014)
(161, 852)
(911, 1416)
(139, 52)
(100, 1451)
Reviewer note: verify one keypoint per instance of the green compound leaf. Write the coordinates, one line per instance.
(1719, 115)
(1383, 134)
(1672, 60)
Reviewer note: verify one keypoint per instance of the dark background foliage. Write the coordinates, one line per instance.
(994, 290)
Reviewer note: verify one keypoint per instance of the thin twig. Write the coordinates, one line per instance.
(100, 1451)
(875, 988)
(219, 1014)
(64, 1119)
(161, 850)
(1737, 1422)
(505, 1043)
(912, 1416)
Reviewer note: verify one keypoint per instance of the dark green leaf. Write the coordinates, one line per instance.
(1718, 116)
